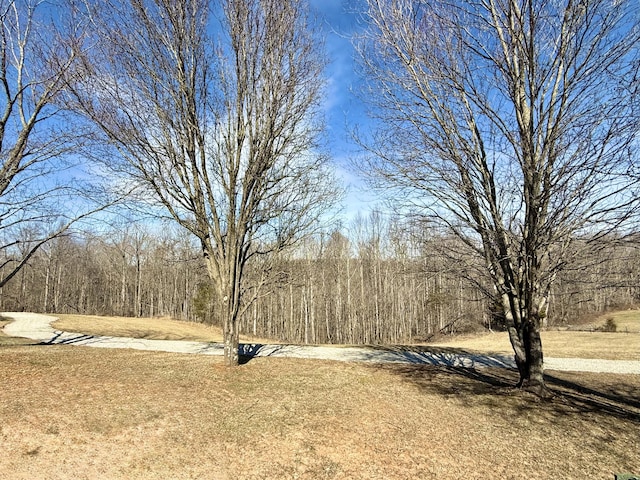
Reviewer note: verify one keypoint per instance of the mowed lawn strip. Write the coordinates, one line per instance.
(76, 412)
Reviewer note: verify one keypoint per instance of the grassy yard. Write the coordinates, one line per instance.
(152, 328)
(83, 413)
(76, 412)
(625, 320)
(624, 344)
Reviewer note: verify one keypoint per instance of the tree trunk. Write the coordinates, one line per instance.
(227, 280)
(524, 335)
(138, 301)
(231, 336)
(45, 304)
(123, 286)
(534, 380)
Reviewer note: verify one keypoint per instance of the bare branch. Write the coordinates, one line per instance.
(513, 123)
(224, 136)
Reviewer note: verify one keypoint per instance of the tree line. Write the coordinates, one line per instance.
(377, 282)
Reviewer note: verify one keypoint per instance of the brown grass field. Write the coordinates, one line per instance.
(162, 328)
(624, 344)
(83, 413)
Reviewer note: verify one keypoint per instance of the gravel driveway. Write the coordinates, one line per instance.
(38, 327)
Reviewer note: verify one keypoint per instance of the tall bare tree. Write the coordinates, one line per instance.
(216, 115)
(514, 124)
(40, 194)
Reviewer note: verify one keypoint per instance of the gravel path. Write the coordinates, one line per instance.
(38, 327)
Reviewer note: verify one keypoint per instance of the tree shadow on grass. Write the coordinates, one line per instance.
(609, 394)
(616, 396)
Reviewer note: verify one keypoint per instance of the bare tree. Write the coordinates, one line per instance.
(218, 120)
(41, 194)
(514, 124)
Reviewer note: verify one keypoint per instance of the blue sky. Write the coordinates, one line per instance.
(344, 111)
(338, 27)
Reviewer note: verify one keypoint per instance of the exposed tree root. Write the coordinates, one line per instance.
(537, 388)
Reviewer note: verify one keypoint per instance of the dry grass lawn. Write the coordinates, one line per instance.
(621, 345)
(152, 328)
(626, 321)
(83, 413)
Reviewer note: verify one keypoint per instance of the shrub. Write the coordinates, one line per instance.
(610, 325)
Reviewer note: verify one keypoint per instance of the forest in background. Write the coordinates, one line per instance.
(372, 281)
